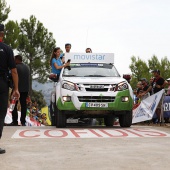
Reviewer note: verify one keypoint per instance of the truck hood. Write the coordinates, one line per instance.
(94, 80)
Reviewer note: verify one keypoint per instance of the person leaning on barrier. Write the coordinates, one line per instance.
(158, 83)
(145, 87)
(139, 91)
(6, 63)
(56, 62)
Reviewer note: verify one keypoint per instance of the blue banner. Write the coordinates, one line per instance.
(166, 107)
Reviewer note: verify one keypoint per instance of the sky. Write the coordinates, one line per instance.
(126, 28)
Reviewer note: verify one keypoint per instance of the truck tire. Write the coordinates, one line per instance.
(108, 120)
(125, 120)
(60, 119)
(52, 114)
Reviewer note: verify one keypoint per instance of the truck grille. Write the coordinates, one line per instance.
(88, 87)
(96, 98)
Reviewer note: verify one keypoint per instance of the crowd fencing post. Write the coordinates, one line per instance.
(162, 109)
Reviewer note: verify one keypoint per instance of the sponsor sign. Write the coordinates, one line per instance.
(90, 57)
(89, 133)
(167, 106)
(147, 107)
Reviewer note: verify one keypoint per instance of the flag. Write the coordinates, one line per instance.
(147, 107)
(46, 111)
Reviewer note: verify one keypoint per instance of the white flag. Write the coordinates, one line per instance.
(147, 107)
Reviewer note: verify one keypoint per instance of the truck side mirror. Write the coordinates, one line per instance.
(127, 77)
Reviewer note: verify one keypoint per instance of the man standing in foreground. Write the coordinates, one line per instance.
(6, 63)
(23, 85)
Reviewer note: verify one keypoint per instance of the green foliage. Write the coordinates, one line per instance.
(36, 45)
(163, 66)
(141, 69)
(11, 34)
(4, 11)
(39, 98)
(154, 63)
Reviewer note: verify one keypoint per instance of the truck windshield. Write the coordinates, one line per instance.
(90, 70)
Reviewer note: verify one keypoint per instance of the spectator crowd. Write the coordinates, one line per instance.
(145, 88)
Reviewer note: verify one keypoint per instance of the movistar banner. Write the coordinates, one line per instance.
(90, 57)
(147, 107)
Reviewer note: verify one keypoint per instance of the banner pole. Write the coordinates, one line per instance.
(162, 109)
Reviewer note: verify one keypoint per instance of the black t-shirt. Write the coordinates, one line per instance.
(139, 90)
(23, 74)
(6, 59)
(145, 88)
(157, 81)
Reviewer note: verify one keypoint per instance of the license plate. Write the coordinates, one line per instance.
(72, 120)
(97, 86)
(102, 105)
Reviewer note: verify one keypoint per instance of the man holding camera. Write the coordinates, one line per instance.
(6, 63)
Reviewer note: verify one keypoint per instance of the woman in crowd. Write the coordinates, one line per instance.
(56, 62)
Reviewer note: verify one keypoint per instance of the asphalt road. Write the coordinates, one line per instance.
(86, 148)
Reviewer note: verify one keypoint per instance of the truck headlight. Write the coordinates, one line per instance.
(119, 87)
(66, 98)
(69, 86)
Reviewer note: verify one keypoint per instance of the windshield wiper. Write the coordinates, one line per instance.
(70, 75)
(94, 76)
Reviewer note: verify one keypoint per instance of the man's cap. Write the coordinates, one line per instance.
(143, 79)
(156, 71)
(1, 27)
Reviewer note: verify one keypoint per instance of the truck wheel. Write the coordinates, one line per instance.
(60, 119)
(108, 120)
(52, 114)
(125, 120)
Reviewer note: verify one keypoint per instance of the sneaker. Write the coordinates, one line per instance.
(2, 151)
(13, 124)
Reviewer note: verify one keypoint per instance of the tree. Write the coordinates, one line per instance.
(165, 69)
(139, 70)
(4, 11)
(163, 66)
(12, 34)
(39, 98)
(36, 45)
(154, 63)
